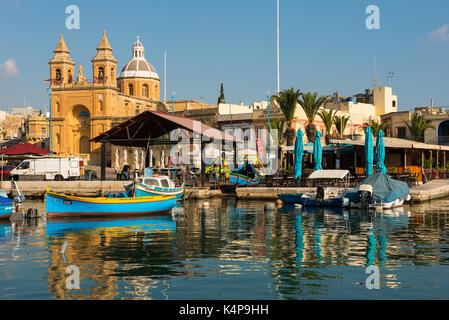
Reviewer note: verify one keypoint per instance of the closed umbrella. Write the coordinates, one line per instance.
(299, 150)
(380, 153)
(317, 152)
(369, 152)
(163, 159)
(125, 157)
(117, 161)
(136, 159)
(142, 158)
(151, 158)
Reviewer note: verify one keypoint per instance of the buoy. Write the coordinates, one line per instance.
(279, 202)
(205, 205)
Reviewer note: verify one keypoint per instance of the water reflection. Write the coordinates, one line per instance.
(233, 249)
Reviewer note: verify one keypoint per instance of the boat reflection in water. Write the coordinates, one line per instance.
(109, 253)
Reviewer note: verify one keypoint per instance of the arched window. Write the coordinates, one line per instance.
(112, 74)
(58, 74)
(57, 107)
(70, 76)
(101, 73)
(130, 89)
(145, 90)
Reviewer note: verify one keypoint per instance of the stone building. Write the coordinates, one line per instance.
(81, 109)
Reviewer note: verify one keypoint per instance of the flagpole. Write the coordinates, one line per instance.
(165, 76)
(277, 48)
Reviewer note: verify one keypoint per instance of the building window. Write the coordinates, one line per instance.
(130, 89)
(112, 74)
(145, 90)
(44, 131)
(401, 132)
(84, 114)
(394, 104)
(58, 74)
(101, 73)
(70, 80)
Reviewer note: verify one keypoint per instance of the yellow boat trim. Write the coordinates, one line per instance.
(110, 200)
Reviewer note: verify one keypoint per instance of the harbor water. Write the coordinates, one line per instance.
(230, 250)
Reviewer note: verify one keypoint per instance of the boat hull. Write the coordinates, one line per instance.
(60, 205)
(290, 198)
(6, 209)
(243, 181)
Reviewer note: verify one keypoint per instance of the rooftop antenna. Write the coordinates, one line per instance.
(376, 81)
(390, 78)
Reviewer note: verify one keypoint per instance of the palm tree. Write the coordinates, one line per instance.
(376, 126)
(328, 120)
(418, 125)
(340, 122)
(277, 124)
(287, 100)
(311, 103)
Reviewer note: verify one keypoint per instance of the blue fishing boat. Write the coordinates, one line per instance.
(330, 186)
(245, 176)
(6, 206)
(114, 204)
(290, 198)
(155, 186)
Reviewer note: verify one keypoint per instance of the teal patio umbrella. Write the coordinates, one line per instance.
(299, 150)
(317, 152)
(369, 151)
(380, 153)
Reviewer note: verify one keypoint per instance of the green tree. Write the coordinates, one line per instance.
(328, 120)
(311, 103)
(377, 125)
(287, 100)
(418, 125)
(221, 98)
(340, 123)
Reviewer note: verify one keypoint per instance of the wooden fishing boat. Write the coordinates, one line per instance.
(245, 176)
(155, 186)
(114, 204)
(6, 207)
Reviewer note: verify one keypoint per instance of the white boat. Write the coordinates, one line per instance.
(155, 186)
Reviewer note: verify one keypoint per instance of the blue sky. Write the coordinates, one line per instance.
(324, 45)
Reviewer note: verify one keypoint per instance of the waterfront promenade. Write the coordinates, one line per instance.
(35, 189)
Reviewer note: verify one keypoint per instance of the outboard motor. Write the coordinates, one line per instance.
(320, 195)
(365, 195)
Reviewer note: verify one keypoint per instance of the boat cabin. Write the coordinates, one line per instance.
(157, 181)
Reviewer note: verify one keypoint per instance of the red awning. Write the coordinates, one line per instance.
(24, 149)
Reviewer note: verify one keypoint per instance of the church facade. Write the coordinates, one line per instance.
(84, 108)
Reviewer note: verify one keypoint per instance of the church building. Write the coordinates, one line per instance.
(83, 108)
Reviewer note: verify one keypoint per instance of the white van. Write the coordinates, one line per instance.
(50, 168)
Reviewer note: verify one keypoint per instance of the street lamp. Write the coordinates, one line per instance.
(268, 136)
(51, 124)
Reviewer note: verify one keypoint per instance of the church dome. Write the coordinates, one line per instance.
(138, 66)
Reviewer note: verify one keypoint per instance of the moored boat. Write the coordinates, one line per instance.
(330, 187)
(6, 206)
(116, 204)
(155, 186)
(246, 175)
(378, 191)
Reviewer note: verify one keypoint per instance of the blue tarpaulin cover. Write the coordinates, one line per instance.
(385, 188)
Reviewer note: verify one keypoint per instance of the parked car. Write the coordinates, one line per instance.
(5, 171)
